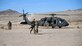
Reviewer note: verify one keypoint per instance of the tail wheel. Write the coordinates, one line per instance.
(53, 27)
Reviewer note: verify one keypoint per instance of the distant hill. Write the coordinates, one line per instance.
(69, 15)
(9, 12)
(79, 9)
(76, 11)
(10, 15)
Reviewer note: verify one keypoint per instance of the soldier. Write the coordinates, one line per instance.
(32, 25)
(9, 25)
(36, 27)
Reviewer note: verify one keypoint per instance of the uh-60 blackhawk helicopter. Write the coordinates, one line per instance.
(50, 21)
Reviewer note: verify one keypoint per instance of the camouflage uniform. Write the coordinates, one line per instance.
(37, 25)
(9, 25)
(32, 25)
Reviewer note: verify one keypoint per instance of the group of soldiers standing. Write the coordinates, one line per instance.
(34, 26)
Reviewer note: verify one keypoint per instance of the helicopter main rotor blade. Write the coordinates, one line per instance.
(26, 13)
(62, 14)
(23, 15)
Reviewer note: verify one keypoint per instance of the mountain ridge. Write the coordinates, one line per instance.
(9, 12)
(14, 12)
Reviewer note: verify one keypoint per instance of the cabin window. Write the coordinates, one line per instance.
(54, 21)
(59, 21)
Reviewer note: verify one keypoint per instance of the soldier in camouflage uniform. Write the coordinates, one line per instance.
(32, 25)
(36, 27)
(9, 25)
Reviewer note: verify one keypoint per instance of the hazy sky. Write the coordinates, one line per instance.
(34, 6)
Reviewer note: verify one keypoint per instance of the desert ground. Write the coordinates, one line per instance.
(20, 36)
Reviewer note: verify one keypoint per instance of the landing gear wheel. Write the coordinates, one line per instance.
(59, 26)
(53, 26)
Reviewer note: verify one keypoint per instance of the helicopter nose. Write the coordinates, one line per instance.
(66, 24)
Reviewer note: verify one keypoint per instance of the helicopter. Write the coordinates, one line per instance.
(53, 22)
(49, 21)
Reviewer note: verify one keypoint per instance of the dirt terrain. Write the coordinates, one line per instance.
(20, 34)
